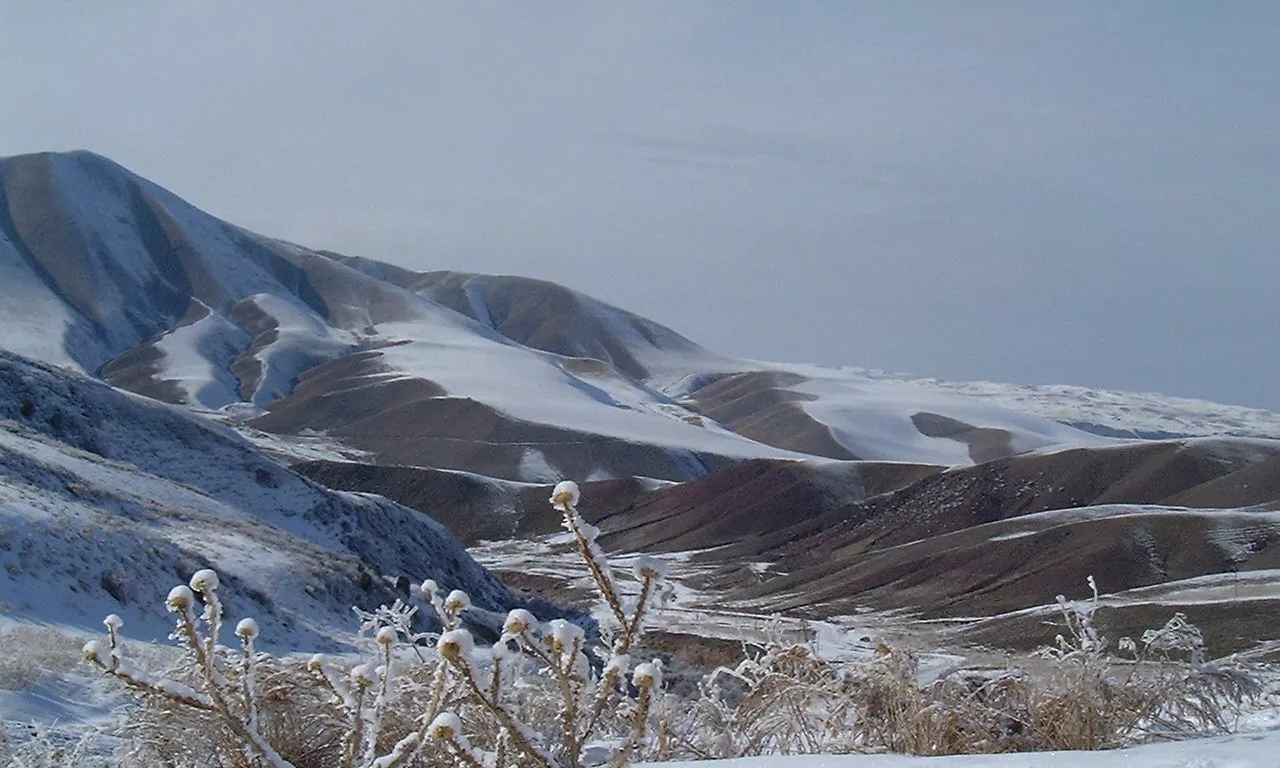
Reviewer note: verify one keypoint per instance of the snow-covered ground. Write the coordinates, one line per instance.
(1134, 414)
(1258, 749)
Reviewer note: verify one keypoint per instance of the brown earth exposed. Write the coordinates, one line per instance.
(474, 507)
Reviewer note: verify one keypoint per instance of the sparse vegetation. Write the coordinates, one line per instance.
(549, 695)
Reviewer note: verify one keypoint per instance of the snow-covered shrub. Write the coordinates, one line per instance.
(543, 695)
(784, 699)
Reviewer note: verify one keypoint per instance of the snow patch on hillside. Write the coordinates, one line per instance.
(198, 357)
(33, 321)
(534, 386)
(872, 417)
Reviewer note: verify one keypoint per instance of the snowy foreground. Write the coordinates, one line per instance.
(1250, 750)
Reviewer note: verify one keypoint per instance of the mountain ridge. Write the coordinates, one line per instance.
(153, 295)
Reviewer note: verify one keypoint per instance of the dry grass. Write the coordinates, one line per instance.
(782, 699)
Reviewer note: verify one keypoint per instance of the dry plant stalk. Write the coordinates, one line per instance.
(486, 708)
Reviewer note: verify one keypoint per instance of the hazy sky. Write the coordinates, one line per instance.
(1073, 192)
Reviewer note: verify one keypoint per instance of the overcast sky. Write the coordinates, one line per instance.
(1082, 193)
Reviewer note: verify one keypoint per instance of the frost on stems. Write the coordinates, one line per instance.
(386, 636)
(647, 679)
(247, 631)
(217, 693)
(521, 735)
(249, 691)
(398, 617)
(565, 498)
(1177, 634)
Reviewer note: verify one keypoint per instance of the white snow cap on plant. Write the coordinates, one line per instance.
(565, 494)
(565, 632)
(447, 725)
(316, 662)
(247, 629)
(385, 636)
(94, 650)
(429, 587)
(180, 599)
(364, 673)
(204, 580)
(456, 644)
(113, 621)
(648, 674)
(519, 620)
(649, 567)
(457, 601)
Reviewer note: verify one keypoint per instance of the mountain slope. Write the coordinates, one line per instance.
(107, 500)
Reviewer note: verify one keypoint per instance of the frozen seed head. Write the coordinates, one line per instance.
(364, 674)
(648, 675)
(180, 599)
(316, 662)
(247, 629)
(565, 495)
(385, 636)
(94, 651)
(113, 622)
(518, 621)
(429, 588)
(564, 632)
(205, 580)
(446, 726)
(649, 568)
(456, 644)
(457, 601)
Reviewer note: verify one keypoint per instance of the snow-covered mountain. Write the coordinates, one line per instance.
(112, 275)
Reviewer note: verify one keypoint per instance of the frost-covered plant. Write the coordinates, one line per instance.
(785, 699)
(234, 703)
(539, 697)
(1092, 706)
